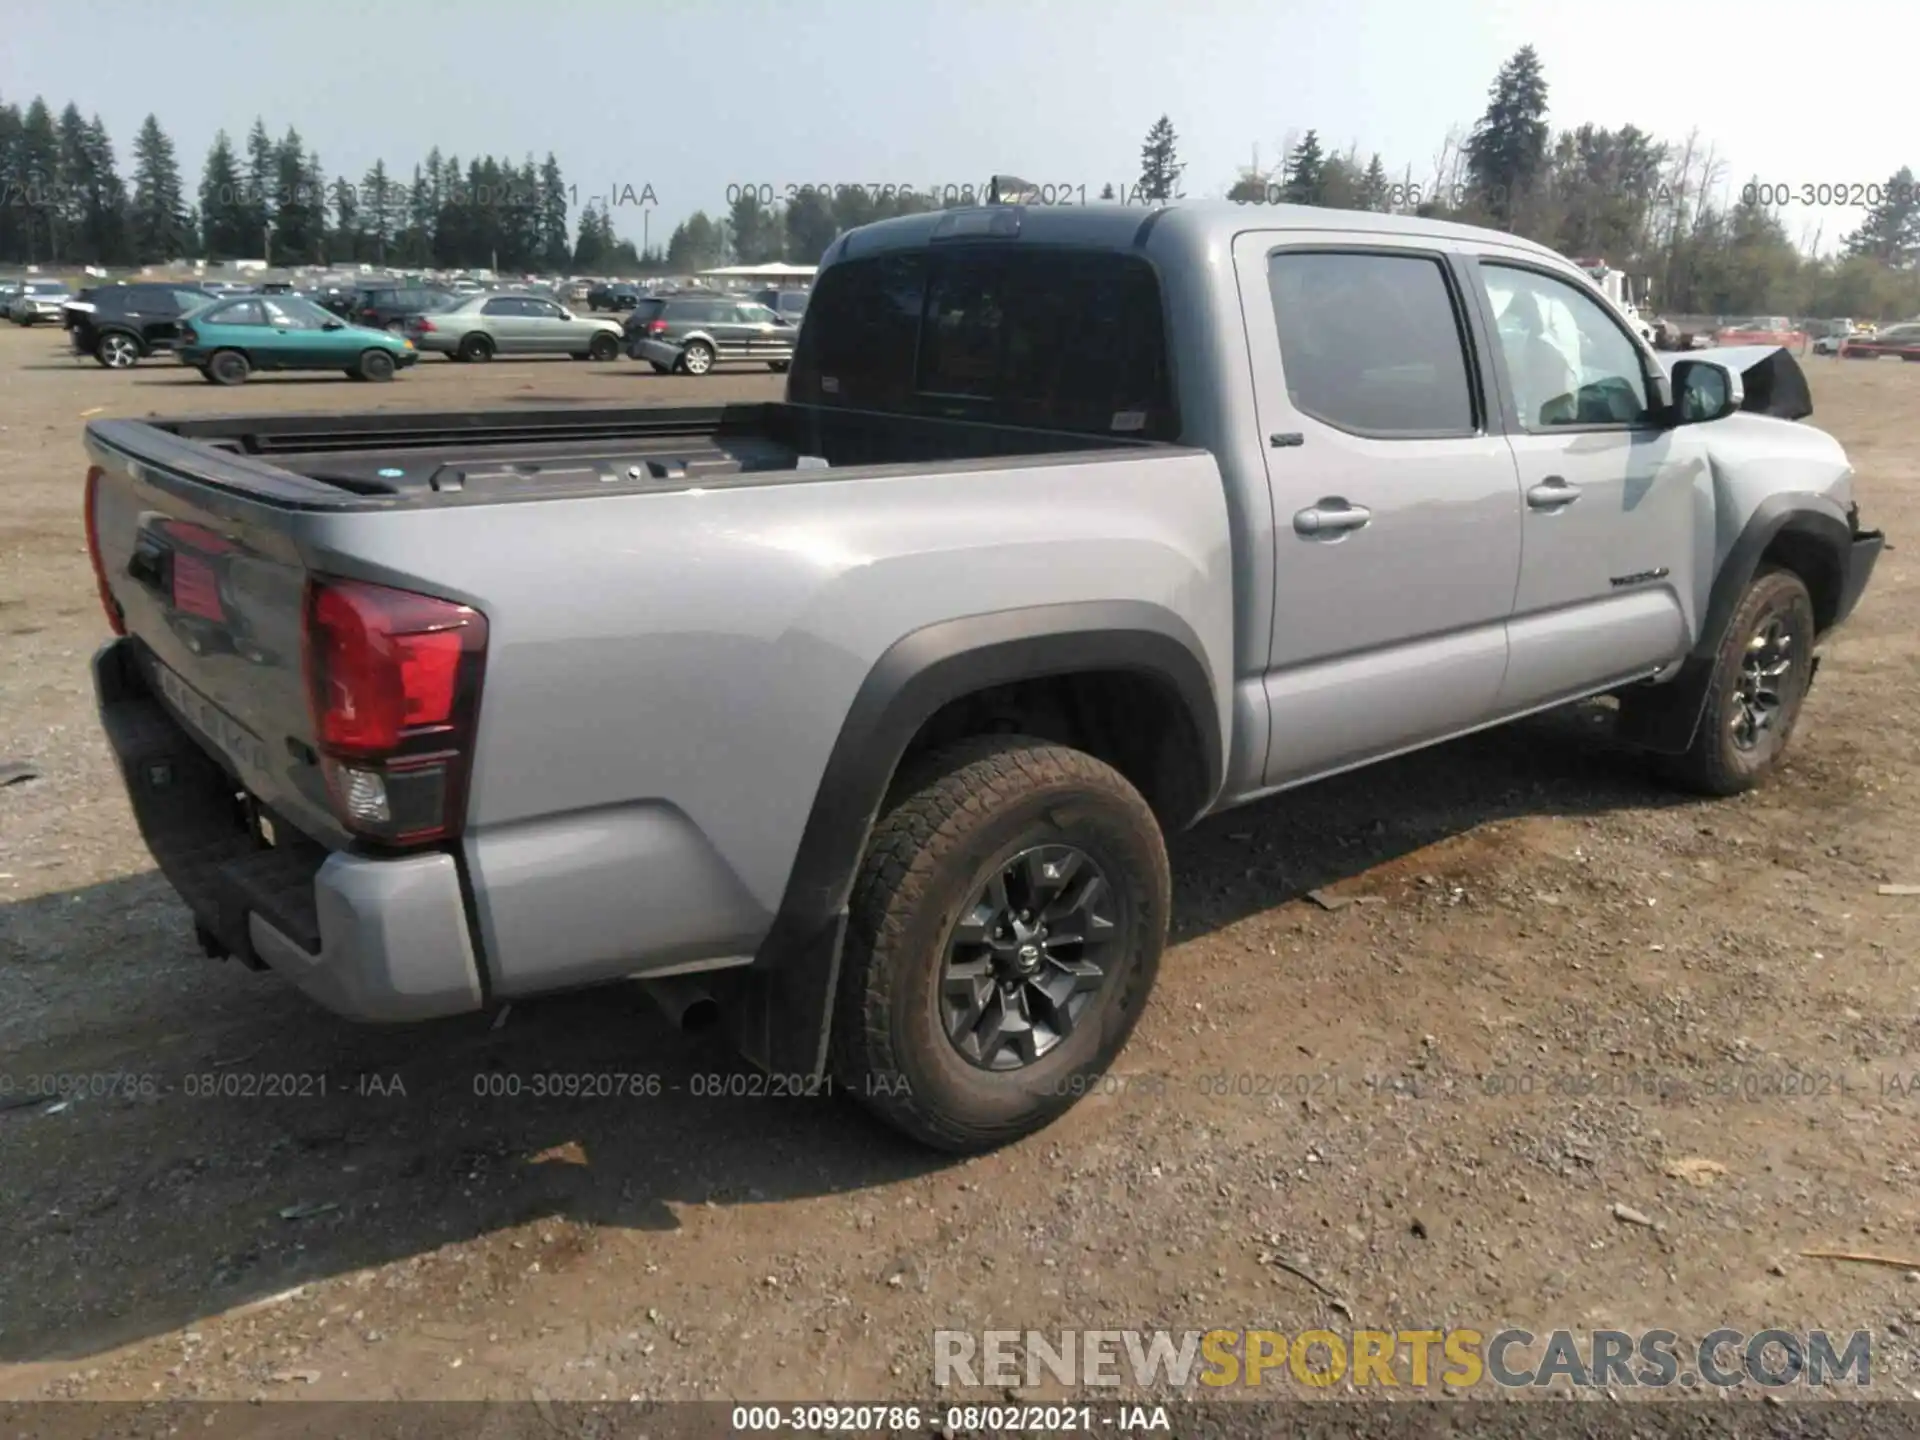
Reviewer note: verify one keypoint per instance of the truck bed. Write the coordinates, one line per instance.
(399, 458)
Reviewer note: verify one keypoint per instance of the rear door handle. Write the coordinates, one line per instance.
(1553, 493)
(1331, 516)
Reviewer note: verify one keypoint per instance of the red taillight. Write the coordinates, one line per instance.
(422, 324)
(656, 327)
(107, 602)
(393, 681)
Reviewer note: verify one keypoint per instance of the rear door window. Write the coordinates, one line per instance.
(1372, 343)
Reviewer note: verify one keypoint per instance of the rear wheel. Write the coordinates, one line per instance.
(1006, 928)
(476, 347)
(117, 350)
(697, 358)
(228, 367)
(660, 369)
(375, 365)
(1760, 678)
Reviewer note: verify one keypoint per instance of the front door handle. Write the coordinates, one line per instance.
(1553, 493)
(1330, 517)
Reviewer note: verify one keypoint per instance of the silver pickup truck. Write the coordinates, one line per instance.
(858, 719)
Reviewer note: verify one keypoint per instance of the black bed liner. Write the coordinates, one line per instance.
(475, 455)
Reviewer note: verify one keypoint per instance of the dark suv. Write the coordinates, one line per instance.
(386, 307)
(613, 295)
(120, 325)
(690, 334)
(787, 304)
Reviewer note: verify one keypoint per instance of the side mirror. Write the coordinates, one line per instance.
(1704, 390)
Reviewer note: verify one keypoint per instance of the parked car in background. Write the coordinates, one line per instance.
(388, 306)
(613, 295)
(690, 334)
(1828, 341)
(482, 326)
(120, 325)
(337, 298)
(38, 300)
(1901, 340)
(231, 338)
(1763, 330)
(787, 304)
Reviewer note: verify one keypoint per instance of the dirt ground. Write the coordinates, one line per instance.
(1575, 992)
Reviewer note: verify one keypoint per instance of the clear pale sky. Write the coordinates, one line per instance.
(688, 97)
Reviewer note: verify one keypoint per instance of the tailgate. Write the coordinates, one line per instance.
(211, 592)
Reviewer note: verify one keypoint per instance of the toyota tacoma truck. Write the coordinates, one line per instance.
(858, 719)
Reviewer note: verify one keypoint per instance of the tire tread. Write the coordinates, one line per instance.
(938, 807)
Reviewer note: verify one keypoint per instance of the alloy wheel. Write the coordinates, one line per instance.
(1760, 694)
(1027, 956)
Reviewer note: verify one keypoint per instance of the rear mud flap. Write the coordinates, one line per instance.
(780, 1011)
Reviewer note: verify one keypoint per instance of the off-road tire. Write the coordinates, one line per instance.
(947, 826)
(1714, 764)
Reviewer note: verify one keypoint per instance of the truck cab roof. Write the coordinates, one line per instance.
(1185, 226)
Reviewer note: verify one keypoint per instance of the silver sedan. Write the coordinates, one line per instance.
(479, 327)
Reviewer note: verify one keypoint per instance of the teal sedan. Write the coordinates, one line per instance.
(230, 339)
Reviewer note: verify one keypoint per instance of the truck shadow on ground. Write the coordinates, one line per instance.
(254, 1143)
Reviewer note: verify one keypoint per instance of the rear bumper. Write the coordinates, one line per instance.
(660, 352)
(369, 938)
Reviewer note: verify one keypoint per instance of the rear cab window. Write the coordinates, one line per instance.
(1044, 337)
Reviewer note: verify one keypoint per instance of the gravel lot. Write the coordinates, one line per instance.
(1574, 992)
